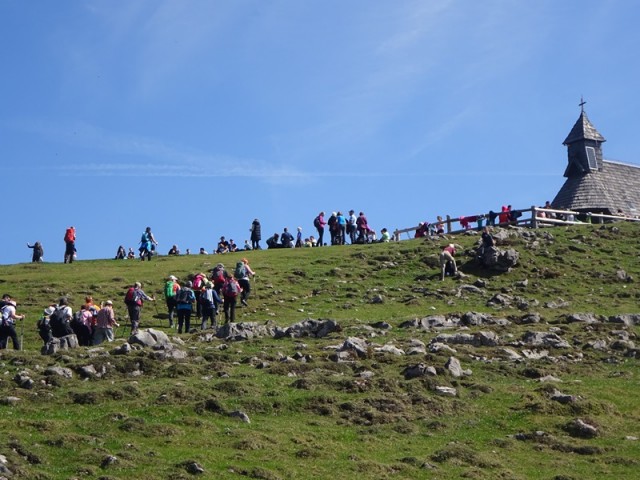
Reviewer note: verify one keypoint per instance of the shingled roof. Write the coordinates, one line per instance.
(594, 184)
(615, 187)
(583, 129)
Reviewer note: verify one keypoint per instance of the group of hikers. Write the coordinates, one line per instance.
(201, 294)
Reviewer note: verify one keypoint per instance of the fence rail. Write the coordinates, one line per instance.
(534, 217)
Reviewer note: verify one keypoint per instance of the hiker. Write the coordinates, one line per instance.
(363, 228)
(486, 242)
(232, 246)
(341, 226)
(255, 234)
(60, 319)
(351, 226)
(134, 299)
(230, 291)
(333, 227)
(105, 321)
(319, 223)
(385, 236)
(38, 252)
(7, 325)
(82, 325)
(447, 260)
(185, 298)
(312, 241)
(286, 239)
(198, 286)
(70, 244)
(131, 254)
(203, 251)
(422, 230)
(148, 244)
(218, 277)
(171, 287)
(209, 301)
(272, 242)
(174, 250)
(247, 246)
(439, 226)
(299, 238)
(223, 246)
(44, 328)
(243, 274)
(121, 254)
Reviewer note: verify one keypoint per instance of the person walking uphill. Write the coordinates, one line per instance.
(134, 299)
(230, 291)
(105, 321)
(319, 223)
(171, 287)
(70, 244)
(7, 325)
(243, 273)
(446, 256)
(185, 298)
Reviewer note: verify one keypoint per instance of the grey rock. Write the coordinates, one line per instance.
(108, 461)
(381, 325)
(535, 354)
(511, 354)
(240, 415)
(149, 337)
(24, 381)
(545, 339)
(563, 398)
(59, 371)
(416, 351)
(123, 349)
(629, 319)
(355, 345)
(309, 328)
(529, 318)
(446, 391)
(389, 349)
(581, 429)
(343, 356)
(587, 318)
(454, 367)
(88, 371)
(63, 343)
(194, 468)
(597, 344)
(377, 299)
(474, 318)
(414, 371)
(244, 331)
(10, 401)
(437, 347)
(621, 345)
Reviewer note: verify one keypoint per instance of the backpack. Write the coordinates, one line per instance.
(230, 289)
(68, 235)
(197, 281)
(130, 297)
(183, 296)
(168, 289)
(5, 314)
(58, 324)
(144, 238)
(316, 222)
(218, 275)
(241, 271)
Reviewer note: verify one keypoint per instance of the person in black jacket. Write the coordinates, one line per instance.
(255, 235)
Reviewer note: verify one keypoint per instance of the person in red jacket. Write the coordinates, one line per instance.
(70, 244)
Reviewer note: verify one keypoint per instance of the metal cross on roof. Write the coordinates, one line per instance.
(582, 102)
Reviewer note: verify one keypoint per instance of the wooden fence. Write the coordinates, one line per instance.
(533, 217)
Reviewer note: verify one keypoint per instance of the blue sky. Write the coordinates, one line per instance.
(195, 117)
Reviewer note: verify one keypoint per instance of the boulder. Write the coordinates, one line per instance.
(63, 343)
(309, 328)
(244, 331)
(59, 371)
(149, 337)
(355, 345)
(545, 339)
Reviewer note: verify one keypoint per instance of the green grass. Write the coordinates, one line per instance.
(320, 419)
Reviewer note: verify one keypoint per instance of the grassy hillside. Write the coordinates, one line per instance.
(512, 417)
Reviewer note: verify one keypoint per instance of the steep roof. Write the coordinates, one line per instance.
(583, 129)
(615, 186)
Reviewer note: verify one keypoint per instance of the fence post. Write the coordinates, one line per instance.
(534, 217)
(448, 224)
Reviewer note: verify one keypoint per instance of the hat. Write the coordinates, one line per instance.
(172, 277)
(108, 302)
(137, 284)
(48, 311)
